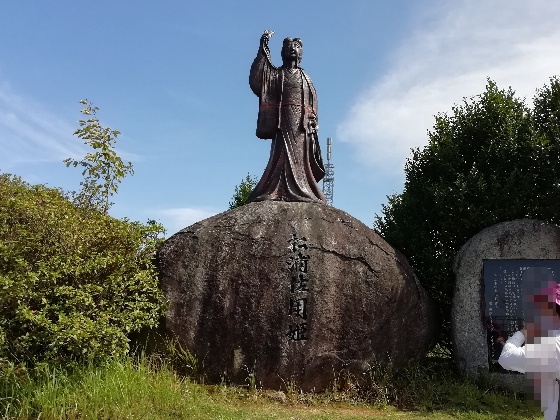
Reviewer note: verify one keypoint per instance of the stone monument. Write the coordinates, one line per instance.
(286, 289)
(492, 271)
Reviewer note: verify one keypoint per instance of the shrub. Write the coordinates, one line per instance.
(74, 282)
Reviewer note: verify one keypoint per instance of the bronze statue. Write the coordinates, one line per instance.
(288, 116)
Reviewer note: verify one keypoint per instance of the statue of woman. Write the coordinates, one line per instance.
(288, 116)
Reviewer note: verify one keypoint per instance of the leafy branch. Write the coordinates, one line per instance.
(103, 169)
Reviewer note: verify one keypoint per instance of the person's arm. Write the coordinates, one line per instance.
(543, 355)
(513, 355)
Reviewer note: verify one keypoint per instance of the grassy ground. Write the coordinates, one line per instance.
(144, 390)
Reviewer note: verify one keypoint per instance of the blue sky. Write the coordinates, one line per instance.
(172, 76)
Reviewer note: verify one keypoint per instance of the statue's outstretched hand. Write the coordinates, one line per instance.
(266, 37)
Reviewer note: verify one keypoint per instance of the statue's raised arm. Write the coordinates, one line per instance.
(264, 41)
(288, 115)
(261, 64)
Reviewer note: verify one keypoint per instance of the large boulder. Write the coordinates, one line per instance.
(292, 293)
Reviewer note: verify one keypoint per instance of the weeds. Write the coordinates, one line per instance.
(251, 379)
(183, 361)
(150, 387)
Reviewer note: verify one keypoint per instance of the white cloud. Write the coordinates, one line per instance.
(178, 218)
(29, 133)
(456, 47)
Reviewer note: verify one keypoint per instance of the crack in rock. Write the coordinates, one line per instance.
(347, 258)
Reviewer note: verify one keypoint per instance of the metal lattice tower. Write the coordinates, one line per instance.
(328, 180)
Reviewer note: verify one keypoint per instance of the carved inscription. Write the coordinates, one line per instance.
(298, 332)
(503, 314)
(298, 266)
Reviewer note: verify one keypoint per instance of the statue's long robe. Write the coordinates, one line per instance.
(286, 101)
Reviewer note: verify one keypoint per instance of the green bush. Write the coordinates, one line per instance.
(74, 282)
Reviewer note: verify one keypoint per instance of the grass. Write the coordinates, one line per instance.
(149, 389)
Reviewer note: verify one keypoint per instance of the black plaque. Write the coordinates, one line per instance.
(505, 284)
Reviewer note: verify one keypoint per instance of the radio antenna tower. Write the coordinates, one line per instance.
(328, 180)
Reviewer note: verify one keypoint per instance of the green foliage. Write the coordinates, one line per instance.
(183, 361)
(547, 110)
(147, 388)
(242, 191)
(492, 160)
(120, 389)
(73, 281)
(103, 169)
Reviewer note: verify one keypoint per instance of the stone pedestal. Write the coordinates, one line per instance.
(291, 292)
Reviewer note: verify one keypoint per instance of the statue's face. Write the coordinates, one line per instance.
(292, 50)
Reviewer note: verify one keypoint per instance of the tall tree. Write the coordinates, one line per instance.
(491, 160)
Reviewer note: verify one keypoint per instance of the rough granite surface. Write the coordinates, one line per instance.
(229, 285)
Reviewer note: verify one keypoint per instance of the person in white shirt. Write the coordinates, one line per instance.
(540, 357)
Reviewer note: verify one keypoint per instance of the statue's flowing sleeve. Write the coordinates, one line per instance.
(263, 80)
(311, 107)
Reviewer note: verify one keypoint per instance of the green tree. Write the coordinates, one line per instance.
(492, 160)
(242, 191)
(103, 169)
(547, 110)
